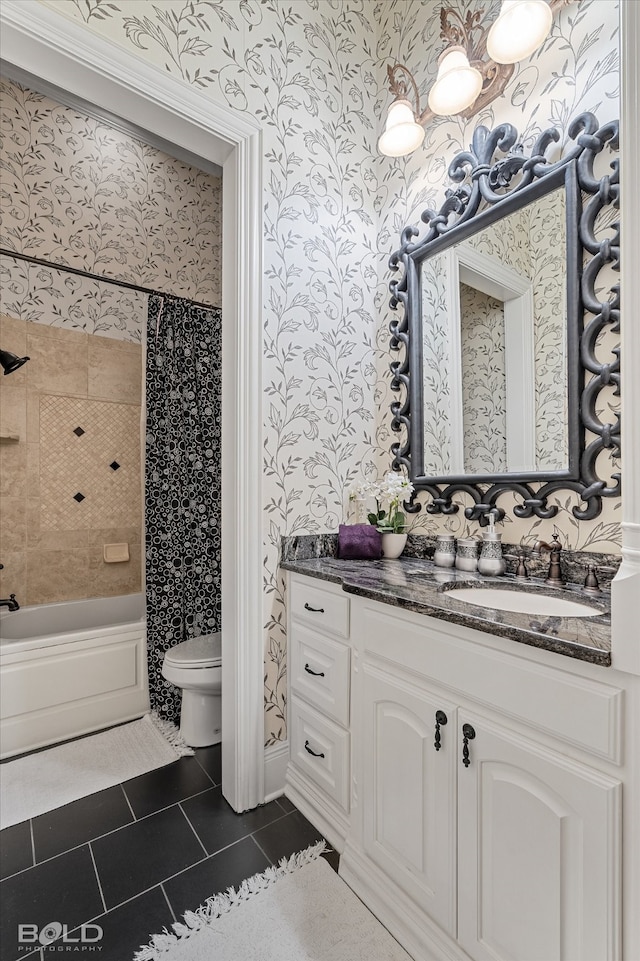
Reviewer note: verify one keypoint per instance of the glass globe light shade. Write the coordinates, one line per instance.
(457, 84)
(402, 134)
(521, 27)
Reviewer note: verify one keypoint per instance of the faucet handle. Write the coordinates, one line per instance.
(521, 569)
(591, 585)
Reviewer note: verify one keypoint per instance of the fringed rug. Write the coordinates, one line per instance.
(299, 911)
(40, 782)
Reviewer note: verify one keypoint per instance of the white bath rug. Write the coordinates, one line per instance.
(299, 911)
(48, 779)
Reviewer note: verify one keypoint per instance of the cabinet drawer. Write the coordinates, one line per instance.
(324, 608)
(320, 672)
(328, 765)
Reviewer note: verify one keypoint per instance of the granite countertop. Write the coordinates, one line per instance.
(416, 584)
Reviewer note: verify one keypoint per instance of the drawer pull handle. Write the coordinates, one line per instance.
(315, 673)
(313, 753)
(316, 610)
(468, 734)
(441, 720)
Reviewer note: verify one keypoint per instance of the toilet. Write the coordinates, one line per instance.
(195, 666)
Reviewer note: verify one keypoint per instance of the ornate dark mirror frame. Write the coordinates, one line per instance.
(492, 187)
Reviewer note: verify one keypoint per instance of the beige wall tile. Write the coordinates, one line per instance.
(114, 374)
(13, 578)
(13, 410)
(109, 343)
(33, 470)
(33, 416)
(13, 337)
(33, 516)
(38, 540)
(13, 331)
(13, 524)
(13, 469)
(56, 576)
(57, 565)
(111, 580)
(115, 535)
(58, 362)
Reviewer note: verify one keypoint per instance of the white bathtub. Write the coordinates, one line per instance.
(71, 668)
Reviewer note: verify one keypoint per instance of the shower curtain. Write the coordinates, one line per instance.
(182, 483)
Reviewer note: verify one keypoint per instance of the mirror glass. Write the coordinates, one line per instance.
(494, 347)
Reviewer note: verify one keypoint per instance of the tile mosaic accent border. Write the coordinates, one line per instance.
(80, 463)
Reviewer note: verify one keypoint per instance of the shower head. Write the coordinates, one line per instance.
(11, 362)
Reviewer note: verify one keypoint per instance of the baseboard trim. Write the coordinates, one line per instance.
(276, 759)
(332, 822)
(417, 934)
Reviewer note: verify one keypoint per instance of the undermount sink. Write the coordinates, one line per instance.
(522, 602)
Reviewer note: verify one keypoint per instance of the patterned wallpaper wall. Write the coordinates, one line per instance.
(79, 192)
(484, 381)
(576, 69)
(313, 72)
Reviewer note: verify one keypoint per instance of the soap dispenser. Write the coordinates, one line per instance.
(491, 560)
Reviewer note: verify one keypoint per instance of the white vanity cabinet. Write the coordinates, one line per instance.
(503, 847)
(319, 770)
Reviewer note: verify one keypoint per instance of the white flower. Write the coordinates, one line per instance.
(395, 487)
(362, 490)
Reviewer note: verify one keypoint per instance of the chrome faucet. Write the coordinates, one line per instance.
(554, 577)
(10, 602)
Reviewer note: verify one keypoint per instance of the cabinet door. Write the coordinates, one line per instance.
(408, 794)
(538, 853)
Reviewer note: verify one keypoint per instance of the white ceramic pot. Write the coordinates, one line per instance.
(393, 545)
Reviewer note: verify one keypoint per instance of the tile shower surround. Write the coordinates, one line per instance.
(134, 857)
(75, 408)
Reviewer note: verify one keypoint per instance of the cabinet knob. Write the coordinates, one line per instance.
(316, 610)
(441, 720)
(468, 734)
(313, 753)
(315, 673)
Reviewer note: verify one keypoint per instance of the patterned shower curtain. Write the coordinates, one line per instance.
(182, 483)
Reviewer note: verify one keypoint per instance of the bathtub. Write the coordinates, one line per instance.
(71, 668)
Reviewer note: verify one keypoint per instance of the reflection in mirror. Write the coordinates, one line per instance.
(494, 347)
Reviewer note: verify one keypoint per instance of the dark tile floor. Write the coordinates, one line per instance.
(132, 859)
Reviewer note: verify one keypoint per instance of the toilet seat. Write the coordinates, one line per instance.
(197, 652)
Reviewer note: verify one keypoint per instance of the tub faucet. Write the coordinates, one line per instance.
(10, 602)
(554, 577)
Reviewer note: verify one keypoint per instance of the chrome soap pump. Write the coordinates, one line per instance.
(491, 560)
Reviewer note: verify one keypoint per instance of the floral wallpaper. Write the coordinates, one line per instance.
(575, 70)
(436, 365)
(547, 233)
(79, 192)
(313, 72)
(484, 382)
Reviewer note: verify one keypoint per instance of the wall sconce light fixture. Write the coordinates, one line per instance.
(473, 69)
